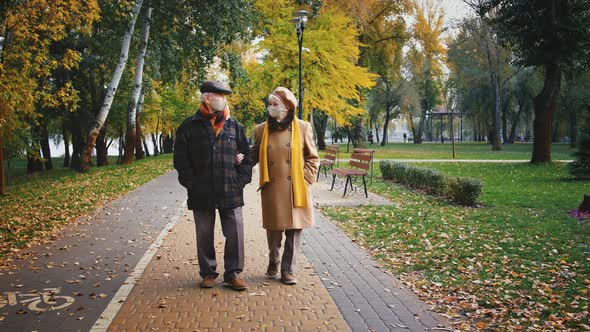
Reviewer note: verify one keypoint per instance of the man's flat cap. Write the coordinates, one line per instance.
(215, 87)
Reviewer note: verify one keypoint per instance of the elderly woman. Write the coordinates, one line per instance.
(289, 163)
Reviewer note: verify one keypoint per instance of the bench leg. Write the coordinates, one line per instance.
(319, 171)
(346, 185)
(333, 180)
(365, 184)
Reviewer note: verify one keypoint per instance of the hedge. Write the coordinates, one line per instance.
(462, 190)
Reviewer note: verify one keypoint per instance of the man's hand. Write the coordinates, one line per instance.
(239, 158)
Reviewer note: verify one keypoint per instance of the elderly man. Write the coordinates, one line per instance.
(212, 157)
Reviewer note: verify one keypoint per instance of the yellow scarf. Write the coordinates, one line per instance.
(299, 185)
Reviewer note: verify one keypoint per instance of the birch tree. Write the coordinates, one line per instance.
(131, 138)
(111, 91)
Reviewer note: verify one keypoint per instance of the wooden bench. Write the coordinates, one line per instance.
(368, 152)
(329, 160)
(359, 167)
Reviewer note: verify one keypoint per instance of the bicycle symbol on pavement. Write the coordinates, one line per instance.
(46, 300)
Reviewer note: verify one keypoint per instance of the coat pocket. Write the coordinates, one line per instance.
(236, 183)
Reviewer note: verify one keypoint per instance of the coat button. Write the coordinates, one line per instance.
(289, 178)
(287, 161)
(289, 129)
(272, 179)
(268, 146)
(288, 144)
(270, 163)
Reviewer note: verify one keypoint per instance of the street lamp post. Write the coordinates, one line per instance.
(299, 21)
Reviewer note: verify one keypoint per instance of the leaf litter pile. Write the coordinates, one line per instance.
(502, 267)
(34, 210)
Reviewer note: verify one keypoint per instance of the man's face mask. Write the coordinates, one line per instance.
(218, 104)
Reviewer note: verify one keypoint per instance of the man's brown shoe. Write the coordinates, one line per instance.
(272, 272)
(208, 282)
(237, 284)
(287, 278)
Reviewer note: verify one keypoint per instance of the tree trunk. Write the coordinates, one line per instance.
(573, 129)
(139, 153)
(121, 145)
(387, 115)
(155, 142)
(132, 136)
(77, 141)
(495, 83)
(102, 150)
(496, 144)
(585, 205)
(545, 104)
(357, 136)
(64, 133)
(376, 131)
(321, 124)
(418, 136)
(145, 147)
(514, 124)
(505, 122)
(2, 178)
(555, 134)
(112, 89)
(45, 147)
(34, 163)
(168, 144)
(412, 128)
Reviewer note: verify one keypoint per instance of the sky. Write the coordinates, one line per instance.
(455, 10)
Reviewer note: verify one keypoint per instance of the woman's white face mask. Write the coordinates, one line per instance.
(277, 111)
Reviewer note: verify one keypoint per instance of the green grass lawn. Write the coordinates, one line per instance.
(517, 151)
(518, 261)
(36, 206)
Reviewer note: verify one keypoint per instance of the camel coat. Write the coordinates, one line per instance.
(278, 212)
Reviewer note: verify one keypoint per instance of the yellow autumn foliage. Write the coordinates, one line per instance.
(331, 77)
(30, 29)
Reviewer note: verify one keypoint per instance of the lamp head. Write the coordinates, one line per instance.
(302, 14)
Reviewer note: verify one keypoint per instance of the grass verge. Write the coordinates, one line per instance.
(517, 262)
(468, 150)
(34, 209)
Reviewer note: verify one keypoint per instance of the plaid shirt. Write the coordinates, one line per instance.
(206, 164)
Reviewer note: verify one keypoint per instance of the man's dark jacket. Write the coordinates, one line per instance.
(206, 164)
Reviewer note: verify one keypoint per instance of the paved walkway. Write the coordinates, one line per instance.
(168, 296)
(66, 284)
(339, 286)
(132, 266)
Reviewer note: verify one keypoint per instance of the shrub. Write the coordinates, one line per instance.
(462, 190)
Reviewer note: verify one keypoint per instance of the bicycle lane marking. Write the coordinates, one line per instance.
(108, 315)
(47, 296)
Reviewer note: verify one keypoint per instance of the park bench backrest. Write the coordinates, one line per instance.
(331, 153)
(360, 160)
(364, 151)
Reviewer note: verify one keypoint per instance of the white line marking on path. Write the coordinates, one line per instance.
(108, 315)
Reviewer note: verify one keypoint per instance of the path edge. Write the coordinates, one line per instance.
(110, 312)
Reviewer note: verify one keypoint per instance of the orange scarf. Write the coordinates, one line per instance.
(217, 118)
